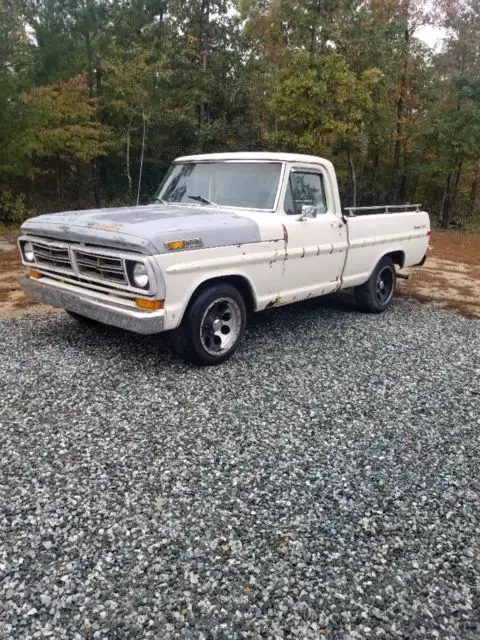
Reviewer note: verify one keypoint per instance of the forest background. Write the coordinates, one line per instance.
(98, 96)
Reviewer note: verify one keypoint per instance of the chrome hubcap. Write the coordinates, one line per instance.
(220, 326)
(384, 285)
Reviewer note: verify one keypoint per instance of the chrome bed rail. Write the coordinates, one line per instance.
(387, 208)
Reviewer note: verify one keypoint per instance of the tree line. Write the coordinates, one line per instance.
(98, 96)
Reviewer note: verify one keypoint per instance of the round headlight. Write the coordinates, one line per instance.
(140, 275)
(28, 252)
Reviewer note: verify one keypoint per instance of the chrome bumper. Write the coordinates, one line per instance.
(116, 315)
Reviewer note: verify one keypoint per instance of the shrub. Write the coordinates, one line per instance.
(13, 209)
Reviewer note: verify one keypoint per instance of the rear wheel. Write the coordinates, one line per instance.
(377, 293)
(213, 326)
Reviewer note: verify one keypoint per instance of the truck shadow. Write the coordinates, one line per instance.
(275, 325)
(342, 301)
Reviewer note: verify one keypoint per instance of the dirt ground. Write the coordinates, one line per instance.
(13, 302)
(450, 277)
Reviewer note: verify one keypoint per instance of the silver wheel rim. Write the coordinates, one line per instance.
(220, 326)
(384, 286)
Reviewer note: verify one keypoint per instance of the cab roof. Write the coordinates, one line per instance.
(258, 156)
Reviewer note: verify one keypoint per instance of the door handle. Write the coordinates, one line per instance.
(337, 225)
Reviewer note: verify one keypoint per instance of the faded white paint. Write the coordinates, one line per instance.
(293, 259)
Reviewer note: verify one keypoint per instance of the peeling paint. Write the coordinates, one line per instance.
(147, 229)
(111, 226)
(273, 303)
(274, 259)
(284, 262)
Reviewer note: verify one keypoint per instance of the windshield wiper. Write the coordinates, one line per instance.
(157, 199)
(203, 200)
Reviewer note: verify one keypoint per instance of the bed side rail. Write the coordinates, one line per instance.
(387, 208)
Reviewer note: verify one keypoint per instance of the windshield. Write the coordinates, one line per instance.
(251, 185)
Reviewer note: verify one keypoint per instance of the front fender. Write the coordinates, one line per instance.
(254, 265)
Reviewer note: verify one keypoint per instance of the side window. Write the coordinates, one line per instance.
(304, 188)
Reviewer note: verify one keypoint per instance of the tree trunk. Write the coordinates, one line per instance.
(446, 210)
(354, 179)
(141, 158)
(376, 161)
(401, 109)
(129, 175)
(472, 199)
(313, 40)
(96, 195)
(458, 173)
(450, 194)
(203, 39)
(91, 93)
(398, 136)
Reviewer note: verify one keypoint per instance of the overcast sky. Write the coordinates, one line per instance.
(431, 35)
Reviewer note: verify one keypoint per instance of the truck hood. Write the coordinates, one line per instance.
(147, 229)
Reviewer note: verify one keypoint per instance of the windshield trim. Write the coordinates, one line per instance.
(277, 196)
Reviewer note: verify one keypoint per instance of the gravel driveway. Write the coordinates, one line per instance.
(324, 482)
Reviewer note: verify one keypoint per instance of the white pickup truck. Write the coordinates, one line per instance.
(228, 233)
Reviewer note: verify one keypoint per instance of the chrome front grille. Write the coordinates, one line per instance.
(51, 256)
(100, 267)
(97, 268)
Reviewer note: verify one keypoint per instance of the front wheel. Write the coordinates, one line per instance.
(213, 326)
(377, 293)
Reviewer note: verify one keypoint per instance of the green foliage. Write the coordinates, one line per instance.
(316, 104)
(80, 81)
(62, 123)
(13, 209)
(15, 66)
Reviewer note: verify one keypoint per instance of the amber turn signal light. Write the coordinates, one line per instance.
(34, 274)
(151, 305)
(175, 245)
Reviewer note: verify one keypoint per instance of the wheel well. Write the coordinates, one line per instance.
(239, 282)
(398, 258)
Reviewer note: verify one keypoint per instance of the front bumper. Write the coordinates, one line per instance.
(85, 304)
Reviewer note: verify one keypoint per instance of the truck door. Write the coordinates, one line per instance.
(316, 245)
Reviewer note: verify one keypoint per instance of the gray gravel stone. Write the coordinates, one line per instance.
(323, 482)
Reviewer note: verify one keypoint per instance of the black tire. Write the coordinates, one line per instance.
(80, 318)
(213, 326)
(376, 295)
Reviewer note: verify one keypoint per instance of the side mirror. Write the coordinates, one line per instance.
(308, 212)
